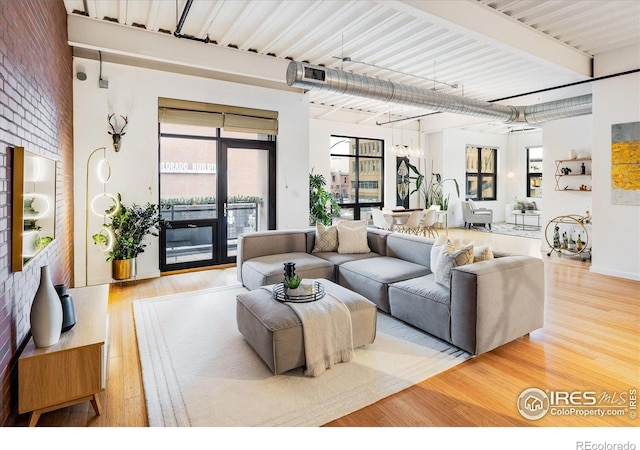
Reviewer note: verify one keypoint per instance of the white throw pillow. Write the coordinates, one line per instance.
(472, 205)
(450, 258)
(438, 245)
(352, 237)
(326, 239)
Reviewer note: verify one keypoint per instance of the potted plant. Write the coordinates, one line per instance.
(432, 192)
(322, 206)
(128, 227)
(292, 285)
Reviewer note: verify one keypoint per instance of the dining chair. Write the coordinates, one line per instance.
(380, 220)
(427, 225)
(412, 225)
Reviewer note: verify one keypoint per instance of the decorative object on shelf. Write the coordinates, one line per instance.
(116, 134)
(46, 312)
(128, 227)
(572, 168)
(68, 310)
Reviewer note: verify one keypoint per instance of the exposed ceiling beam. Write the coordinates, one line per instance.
(485, 24)
(108, 37)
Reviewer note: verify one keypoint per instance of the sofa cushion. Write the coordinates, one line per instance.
(416, 249)
(341, 258)
(352, 237)
(270, 269)
(371, 278)
(422, 303)
(451, 257)
(326, 239)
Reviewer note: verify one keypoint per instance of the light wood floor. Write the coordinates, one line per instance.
(590, 342)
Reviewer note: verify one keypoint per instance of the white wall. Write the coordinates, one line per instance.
(134, 92)
(517, 144)
(447, 150)
(616, 228)
(559, 138)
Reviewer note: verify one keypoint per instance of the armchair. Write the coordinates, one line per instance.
(470, 215)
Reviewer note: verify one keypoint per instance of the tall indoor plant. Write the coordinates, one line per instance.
(431, 192)
(322, 206)
(129, 225)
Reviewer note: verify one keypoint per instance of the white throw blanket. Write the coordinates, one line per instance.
(328, 337)
(327, 332)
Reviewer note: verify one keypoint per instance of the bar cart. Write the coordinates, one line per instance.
(569, 235)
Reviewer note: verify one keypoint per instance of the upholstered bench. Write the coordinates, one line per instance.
(274, 330)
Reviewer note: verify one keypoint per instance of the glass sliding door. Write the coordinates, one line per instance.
(249, 190)
(188, 200)
(212, 189)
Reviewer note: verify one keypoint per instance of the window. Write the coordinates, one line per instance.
(534, 172)
(481, 173)
(357, 174)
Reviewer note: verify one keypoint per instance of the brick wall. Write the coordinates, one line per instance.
(36, 112)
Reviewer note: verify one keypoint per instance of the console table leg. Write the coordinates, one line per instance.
(97, 407)
(35, 416)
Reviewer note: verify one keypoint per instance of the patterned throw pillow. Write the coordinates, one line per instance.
(450, 258)
(352, 237)
(326, 239)
(482, 253)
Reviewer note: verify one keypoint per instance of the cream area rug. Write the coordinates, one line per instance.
(199, 371)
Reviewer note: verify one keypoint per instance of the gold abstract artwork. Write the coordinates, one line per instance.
(625, 163)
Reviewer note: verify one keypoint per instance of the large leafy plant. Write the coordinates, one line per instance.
(322, 206)
(129, 225)
(431, 193)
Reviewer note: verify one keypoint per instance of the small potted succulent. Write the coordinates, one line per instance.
(292, 285)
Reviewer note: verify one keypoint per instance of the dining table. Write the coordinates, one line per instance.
(398, 216)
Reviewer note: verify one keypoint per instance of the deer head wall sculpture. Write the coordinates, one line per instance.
(117, 135)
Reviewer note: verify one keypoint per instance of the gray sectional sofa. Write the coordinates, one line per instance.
(488, 303)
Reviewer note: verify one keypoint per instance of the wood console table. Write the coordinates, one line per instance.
(73, 370)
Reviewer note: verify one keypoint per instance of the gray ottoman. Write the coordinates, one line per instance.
(275, 331)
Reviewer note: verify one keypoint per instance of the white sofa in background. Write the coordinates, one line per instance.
(530, 204)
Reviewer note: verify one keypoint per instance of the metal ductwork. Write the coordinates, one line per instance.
(336, 81)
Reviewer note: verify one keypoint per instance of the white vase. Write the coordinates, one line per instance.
(46, 312)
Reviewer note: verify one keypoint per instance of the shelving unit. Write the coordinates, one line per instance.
(575, 177)
(573, 226)
(74, 369)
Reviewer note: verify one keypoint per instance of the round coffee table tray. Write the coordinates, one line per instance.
(280, 294)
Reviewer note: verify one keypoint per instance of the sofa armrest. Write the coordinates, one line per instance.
(496, 301)
(273, 242)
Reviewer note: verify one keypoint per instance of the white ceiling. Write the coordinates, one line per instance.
(487, 49)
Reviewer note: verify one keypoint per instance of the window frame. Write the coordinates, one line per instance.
(532, 175)
(355, 159)
(479, 175)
